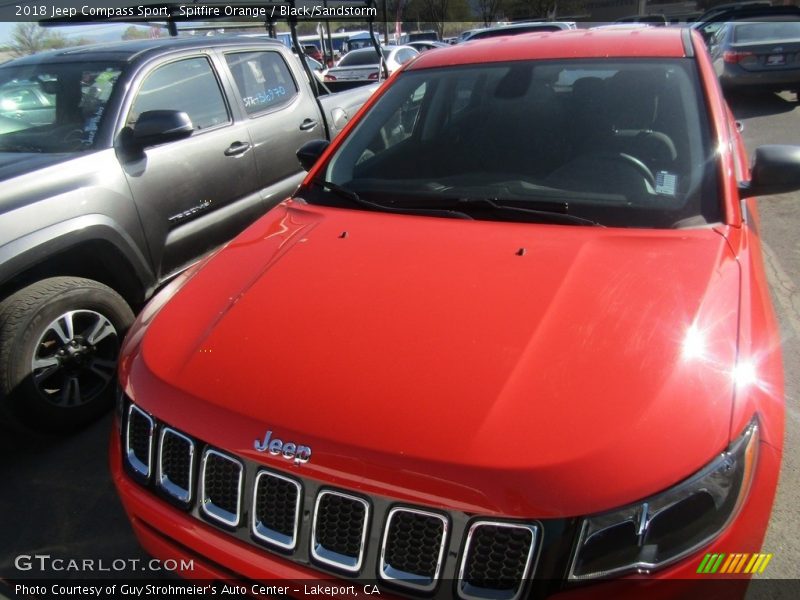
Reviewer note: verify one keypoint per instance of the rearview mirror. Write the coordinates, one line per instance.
(776, 170)
(310, 152)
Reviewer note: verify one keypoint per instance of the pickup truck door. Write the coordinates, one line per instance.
(196, 193)
(282, 116)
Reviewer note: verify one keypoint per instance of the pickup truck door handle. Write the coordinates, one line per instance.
(308, 125)
(237, 148)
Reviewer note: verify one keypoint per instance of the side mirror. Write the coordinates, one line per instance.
(776, 170)
(160, 126)
(310, 152)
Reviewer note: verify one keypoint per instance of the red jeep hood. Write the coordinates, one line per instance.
(512, 368)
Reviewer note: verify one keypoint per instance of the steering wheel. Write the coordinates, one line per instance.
(73, 139)
(630, 161)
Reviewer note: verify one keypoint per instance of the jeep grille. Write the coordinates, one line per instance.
(411, 548)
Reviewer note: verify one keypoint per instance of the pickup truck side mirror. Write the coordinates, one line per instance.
(776, 170)
(161, 126)
(310, 152)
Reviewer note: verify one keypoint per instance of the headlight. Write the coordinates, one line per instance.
(664, 528)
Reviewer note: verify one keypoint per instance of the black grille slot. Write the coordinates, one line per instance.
(413, 547)
(176, 458)
(277, 507)
(139, 440)
(340, 524)
(497, 560)
(340, 527)
(222, 487)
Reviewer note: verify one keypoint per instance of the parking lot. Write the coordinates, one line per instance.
(57, 497)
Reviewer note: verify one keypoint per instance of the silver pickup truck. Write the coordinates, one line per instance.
(121, 165)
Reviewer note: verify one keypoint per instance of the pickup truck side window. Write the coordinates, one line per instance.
(53, 107)
(189, 85)
(263, 79)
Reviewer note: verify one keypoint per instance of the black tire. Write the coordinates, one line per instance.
(73, 329)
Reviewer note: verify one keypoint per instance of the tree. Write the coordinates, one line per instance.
(531, 9)
(29, 38)
(135, 33)
(55, 40)
(488, 9)
(434, 13)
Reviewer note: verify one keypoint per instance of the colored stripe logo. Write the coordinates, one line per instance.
(734, 563)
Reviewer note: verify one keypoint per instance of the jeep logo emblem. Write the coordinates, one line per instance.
(289, 450)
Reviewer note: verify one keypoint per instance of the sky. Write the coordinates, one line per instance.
(71, 31)
(5, 31)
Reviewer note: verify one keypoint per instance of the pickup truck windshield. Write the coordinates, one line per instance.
(622, 143)
(53, 107)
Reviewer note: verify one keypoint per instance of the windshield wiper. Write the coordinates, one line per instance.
(354, 198)
(548, 215)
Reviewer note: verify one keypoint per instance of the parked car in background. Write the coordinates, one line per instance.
(418, 36)
(28, 102)
(313, 51)
(708, 26)
(425, 45)
(730, 8)
(316, 67)
(465, 34)
(362, 39)
(757, 56)
(364, 64)
(654, 20)
(519, 28)
(121, 165)
(511, 338)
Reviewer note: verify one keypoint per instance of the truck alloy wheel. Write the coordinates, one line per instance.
(75, 358)
(59, 341)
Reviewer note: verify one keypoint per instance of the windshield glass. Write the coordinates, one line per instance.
(359, 58)
(767, 31)
(53, 107)
(622, 143)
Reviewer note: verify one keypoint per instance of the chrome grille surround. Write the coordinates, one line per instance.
(470, 592)
(349, 528)
(405, 579)
(330, 557)
(162, 479)
(134, 461)
(264, 533)
(206, 505)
